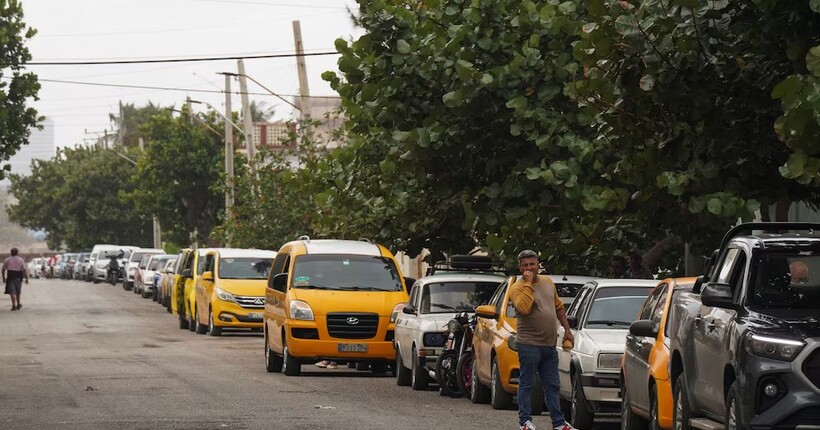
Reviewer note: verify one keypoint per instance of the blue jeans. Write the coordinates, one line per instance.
(543, 361)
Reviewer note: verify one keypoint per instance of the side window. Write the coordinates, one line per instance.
(573, 307)
(414, 294)
(500, 303)
(726, 266)
(201, 261)
(736, 279)
(657, 311)
(210, 263)
(279, 264)
(497, 294)
(583, 303)
(651, 302)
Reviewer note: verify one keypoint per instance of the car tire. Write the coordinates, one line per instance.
(581, 416)
(273, 362)
(191, 321)
(733, 414)
(479, 393)
(200, 328)
(499, 399)
(419, 380)
(127, 286)
(629, 419)
(654, 424)
(183, 321)
(213, 329)
(446, 374)
(464, 373)
(681, 411)
(290, 364)
(403, 377)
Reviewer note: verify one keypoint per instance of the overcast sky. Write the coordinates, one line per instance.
(93, 30)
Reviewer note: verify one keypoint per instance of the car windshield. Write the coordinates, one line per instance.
(346, 272)
(447, 297)
(616, 307)
(137, 256)
(786, 280)
(244, 268)
(567, 290)
(155, 263)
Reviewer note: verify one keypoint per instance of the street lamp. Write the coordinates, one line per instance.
(218, 113)
(264, 88)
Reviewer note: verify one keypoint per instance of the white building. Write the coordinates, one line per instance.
(327, 112)
(41, 146)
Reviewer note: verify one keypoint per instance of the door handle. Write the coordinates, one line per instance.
(698, 321)
(711, 326)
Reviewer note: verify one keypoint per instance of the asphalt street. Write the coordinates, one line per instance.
(93, 356)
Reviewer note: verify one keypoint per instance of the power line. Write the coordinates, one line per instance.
(189, 90)
(176, 60)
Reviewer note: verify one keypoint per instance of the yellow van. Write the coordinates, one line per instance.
(231, 291)
(191, 268)
(332, 300)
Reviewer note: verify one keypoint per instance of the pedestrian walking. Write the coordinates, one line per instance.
(14, 272)
(539, 309)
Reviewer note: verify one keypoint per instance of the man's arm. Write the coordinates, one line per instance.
(522, 296)
(562, 318)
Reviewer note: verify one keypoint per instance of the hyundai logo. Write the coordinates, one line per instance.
(259, 301)
(352, 320)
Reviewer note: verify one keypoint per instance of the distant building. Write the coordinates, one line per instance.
(278, 134)
(41, 146)
(327, 112)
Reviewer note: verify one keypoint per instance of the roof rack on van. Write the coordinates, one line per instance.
(461, 263)
(305, 238)
(364, 239)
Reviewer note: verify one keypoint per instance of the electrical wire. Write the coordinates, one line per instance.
(177, 60)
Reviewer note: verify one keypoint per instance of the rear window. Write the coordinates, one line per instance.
(346, 272)
(616, 307)
(155, 263)
(447, 297)
(786, 279)
(244, 268)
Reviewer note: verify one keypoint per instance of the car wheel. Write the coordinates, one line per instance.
(200, 328)
(582, 417)
(499, 399)
(290, 366)
(212, 328)
(273, 362)
(192, 322)
(183, 321)
(379, 367)
(126, 286)
(403, 377)
(420, 379)
(732, 413)
(479, 393)
(446, 374)
(682, 412)
(629, 420)
(464, 373)
(653, 408)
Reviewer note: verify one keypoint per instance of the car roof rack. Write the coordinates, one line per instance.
(467, 263)
(304, 238)
(749, 227)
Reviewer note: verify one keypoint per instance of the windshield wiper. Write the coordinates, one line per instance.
(609, 322)
(359, 288)
(443, 306)
(312, 287)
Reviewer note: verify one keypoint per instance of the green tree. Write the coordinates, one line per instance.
(180, 175)
(17, 86)
(129, 120)
(78, 198)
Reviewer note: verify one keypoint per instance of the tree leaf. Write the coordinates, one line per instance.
(790, 85)
(533, 173)
(815, 5)
(627, 25)
(813, 59)
(714, 206)
(647, 82)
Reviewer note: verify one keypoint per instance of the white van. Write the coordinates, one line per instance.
(100, 255)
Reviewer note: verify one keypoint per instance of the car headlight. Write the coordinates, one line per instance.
(772, 347)
(434, 339)
(224, 295)
(609, 361)
(300, 310)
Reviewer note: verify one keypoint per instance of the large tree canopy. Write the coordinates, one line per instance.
(17, 86)
(78, 198)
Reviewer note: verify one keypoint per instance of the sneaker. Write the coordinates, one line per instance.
(528, 425)
(323, 364)
(332, 365)
(565, 426)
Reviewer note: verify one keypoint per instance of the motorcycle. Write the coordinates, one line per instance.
(113, 272)
(457, 353)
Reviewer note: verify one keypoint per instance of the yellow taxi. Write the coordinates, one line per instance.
(645, 383)
(231, 291)
(183, 293)
(175, 282)
(332, 300)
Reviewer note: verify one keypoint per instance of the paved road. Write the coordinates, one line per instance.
(92, 356)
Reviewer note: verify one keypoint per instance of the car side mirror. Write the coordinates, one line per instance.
(187, 273)
(208, 276)
(717, 296)
(279, 282)
(486, 311)
(409, 309)
(644, 328)
(572, 321)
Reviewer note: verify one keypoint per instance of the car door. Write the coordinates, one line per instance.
(483, 336)
(275, 306)
(711, 336)
(205, 288)
(407, 326)
(565, 357)
(638, 349)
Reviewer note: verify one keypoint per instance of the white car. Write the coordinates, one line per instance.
(589, 373)
(35, 267)
(434, 301)
(133, 262)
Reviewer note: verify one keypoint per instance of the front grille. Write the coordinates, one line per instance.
(807, 416)
(250, 302)
(811, 368)
(352, 325)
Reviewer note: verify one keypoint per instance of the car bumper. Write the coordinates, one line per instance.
(231, 315)
(379, 347)
(601, 387)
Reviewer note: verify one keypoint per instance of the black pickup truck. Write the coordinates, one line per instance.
(745, 351)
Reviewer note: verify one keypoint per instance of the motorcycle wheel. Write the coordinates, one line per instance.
(464, 372)
(446, 374)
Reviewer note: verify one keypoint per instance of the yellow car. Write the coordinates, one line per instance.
(231, 291)
(645, 381)
(192, 267)
(332, 300)
(176, 281)
(165, 281)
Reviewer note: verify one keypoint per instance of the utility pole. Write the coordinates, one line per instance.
(121, 131)
(228, 153)
(304, 92)
(190, 113)
(246, 116)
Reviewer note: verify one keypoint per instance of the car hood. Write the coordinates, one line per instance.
(437, 322)
(244, 287)
(327, 301)
(595, 339)
(788, 323)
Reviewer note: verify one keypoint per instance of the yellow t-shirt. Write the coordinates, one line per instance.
(535, 307)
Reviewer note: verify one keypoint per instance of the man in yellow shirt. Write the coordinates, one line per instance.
(538, 312)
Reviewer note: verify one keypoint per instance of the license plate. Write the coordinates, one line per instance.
(352, 347)
(255, 315)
